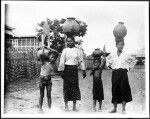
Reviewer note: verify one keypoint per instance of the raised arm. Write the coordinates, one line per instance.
(62, 61)
(103, 62)
(130, 62)
(82, 63)
(81, 60)
(109, 60)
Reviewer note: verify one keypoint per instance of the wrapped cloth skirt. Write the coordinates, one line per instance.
(71, 89)
(121, 90)
(98, 93)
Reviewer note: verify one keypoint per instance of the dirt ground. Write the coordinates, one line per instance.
(22, 96)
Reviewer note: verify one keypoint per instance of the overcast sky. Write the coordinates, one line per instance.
(101, 18)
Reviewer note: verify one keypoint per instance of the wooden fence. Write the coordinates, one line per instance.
(20, 65)
(24, 65)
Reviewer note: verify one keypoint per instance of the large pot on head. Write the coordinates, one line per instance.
(70, 26)
(42, 54)
(120, 31)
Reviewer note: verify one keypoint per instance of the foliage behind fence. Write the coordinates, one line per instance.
(20, 65)
(24, 65)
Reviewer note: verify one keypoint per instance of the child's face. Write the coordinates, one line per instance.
(96, 62)
(52, 57)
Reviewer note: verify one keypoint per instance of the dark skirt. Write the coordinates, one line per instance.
(71, 89)
(98, 93)
(121, 90)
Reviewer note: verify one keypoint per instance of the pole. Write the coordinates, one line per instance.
(104, 51)
(43, 37)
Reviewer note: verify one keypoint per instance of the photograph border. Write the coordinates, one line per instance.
(72, 114)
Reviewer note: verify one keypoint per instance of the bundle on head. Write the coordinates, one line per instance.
(119, 40)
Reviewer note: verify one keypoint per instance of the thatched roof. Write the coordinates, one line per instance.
(9, 31)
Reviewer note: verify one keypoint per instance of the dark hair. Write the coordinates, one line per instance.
(119, 42)
(43, 58)
(96, 58)
(73, 45)
(55, 54)
(71, 38)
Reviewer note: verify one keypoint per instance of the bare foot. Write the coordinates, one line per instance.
(123, 112)
(100, 110)
(41, 111)
(75, 110)
(66, 109)
(49, 110)
(94, 109)
(113, 111)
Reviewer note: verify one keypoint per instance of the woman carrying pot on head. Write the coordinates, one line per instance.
(70, 58)
(120, 63)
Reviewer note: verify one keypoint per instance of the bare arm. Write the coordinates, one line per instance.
(103, 61)
(62, 61)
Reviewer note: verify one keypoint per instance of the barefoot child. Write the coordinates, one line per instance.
(98, 94)
(45, 77)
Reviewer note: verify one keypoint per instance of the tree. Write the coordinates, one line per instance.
(52, 29)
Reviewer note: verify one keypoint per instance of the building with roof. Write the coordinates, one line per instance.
(20, 43)
(140, 56)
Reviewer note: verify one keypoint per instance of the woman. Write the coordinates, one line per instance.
(70, 58)
(121, 64)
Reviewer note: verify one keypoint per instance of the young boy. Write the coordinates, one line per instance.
(98, 94)
(45, 77)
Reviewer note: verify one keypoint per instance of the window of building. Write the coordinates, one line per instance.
(16, 42)
(32, 41)
(23, 42)
(36, 42)
(28, 42)
(19, 42)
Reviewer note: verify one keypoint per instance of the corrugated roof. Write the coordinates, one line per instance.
(26, 36)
